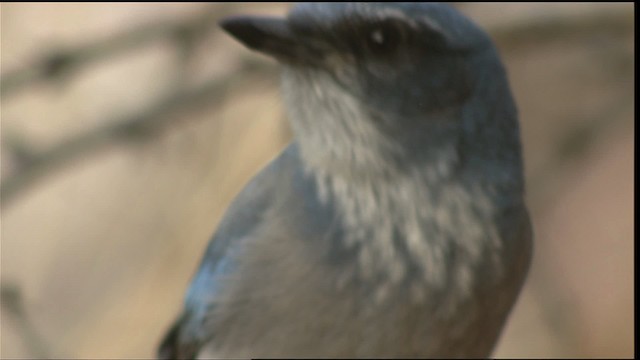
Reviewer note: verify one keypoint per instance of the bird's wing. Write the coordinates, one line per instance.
(245, 214)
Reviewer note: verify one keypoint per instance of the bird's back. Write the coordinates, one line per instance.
(290, 293)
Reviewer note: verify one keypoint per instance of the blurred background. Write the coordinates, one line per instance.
(128, 128)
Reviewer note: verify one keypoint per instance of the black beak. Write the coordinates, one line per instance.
(272, 36)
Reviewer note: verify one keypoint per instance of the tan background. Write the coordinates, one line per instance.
(113, 180)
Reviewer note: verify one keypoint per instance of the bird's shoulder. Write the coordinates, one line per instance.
(248, 208)
(245, 214)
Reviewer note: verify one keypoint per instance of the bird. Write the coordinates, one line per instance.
(394, 224)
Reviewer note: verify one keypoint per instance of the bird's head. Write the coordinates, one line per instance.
(372, 87)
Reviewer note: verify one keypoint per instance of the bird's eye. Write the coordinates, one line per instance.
(383, 38)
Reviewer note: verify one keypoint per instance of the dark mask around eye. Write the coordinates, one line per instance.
(383, 38)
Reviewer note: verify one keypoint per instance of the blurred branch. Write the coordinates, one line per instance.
(547, 27)
(558, 311)
(61, 63)
(13, 303)
(575, 143)
(146, 123)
